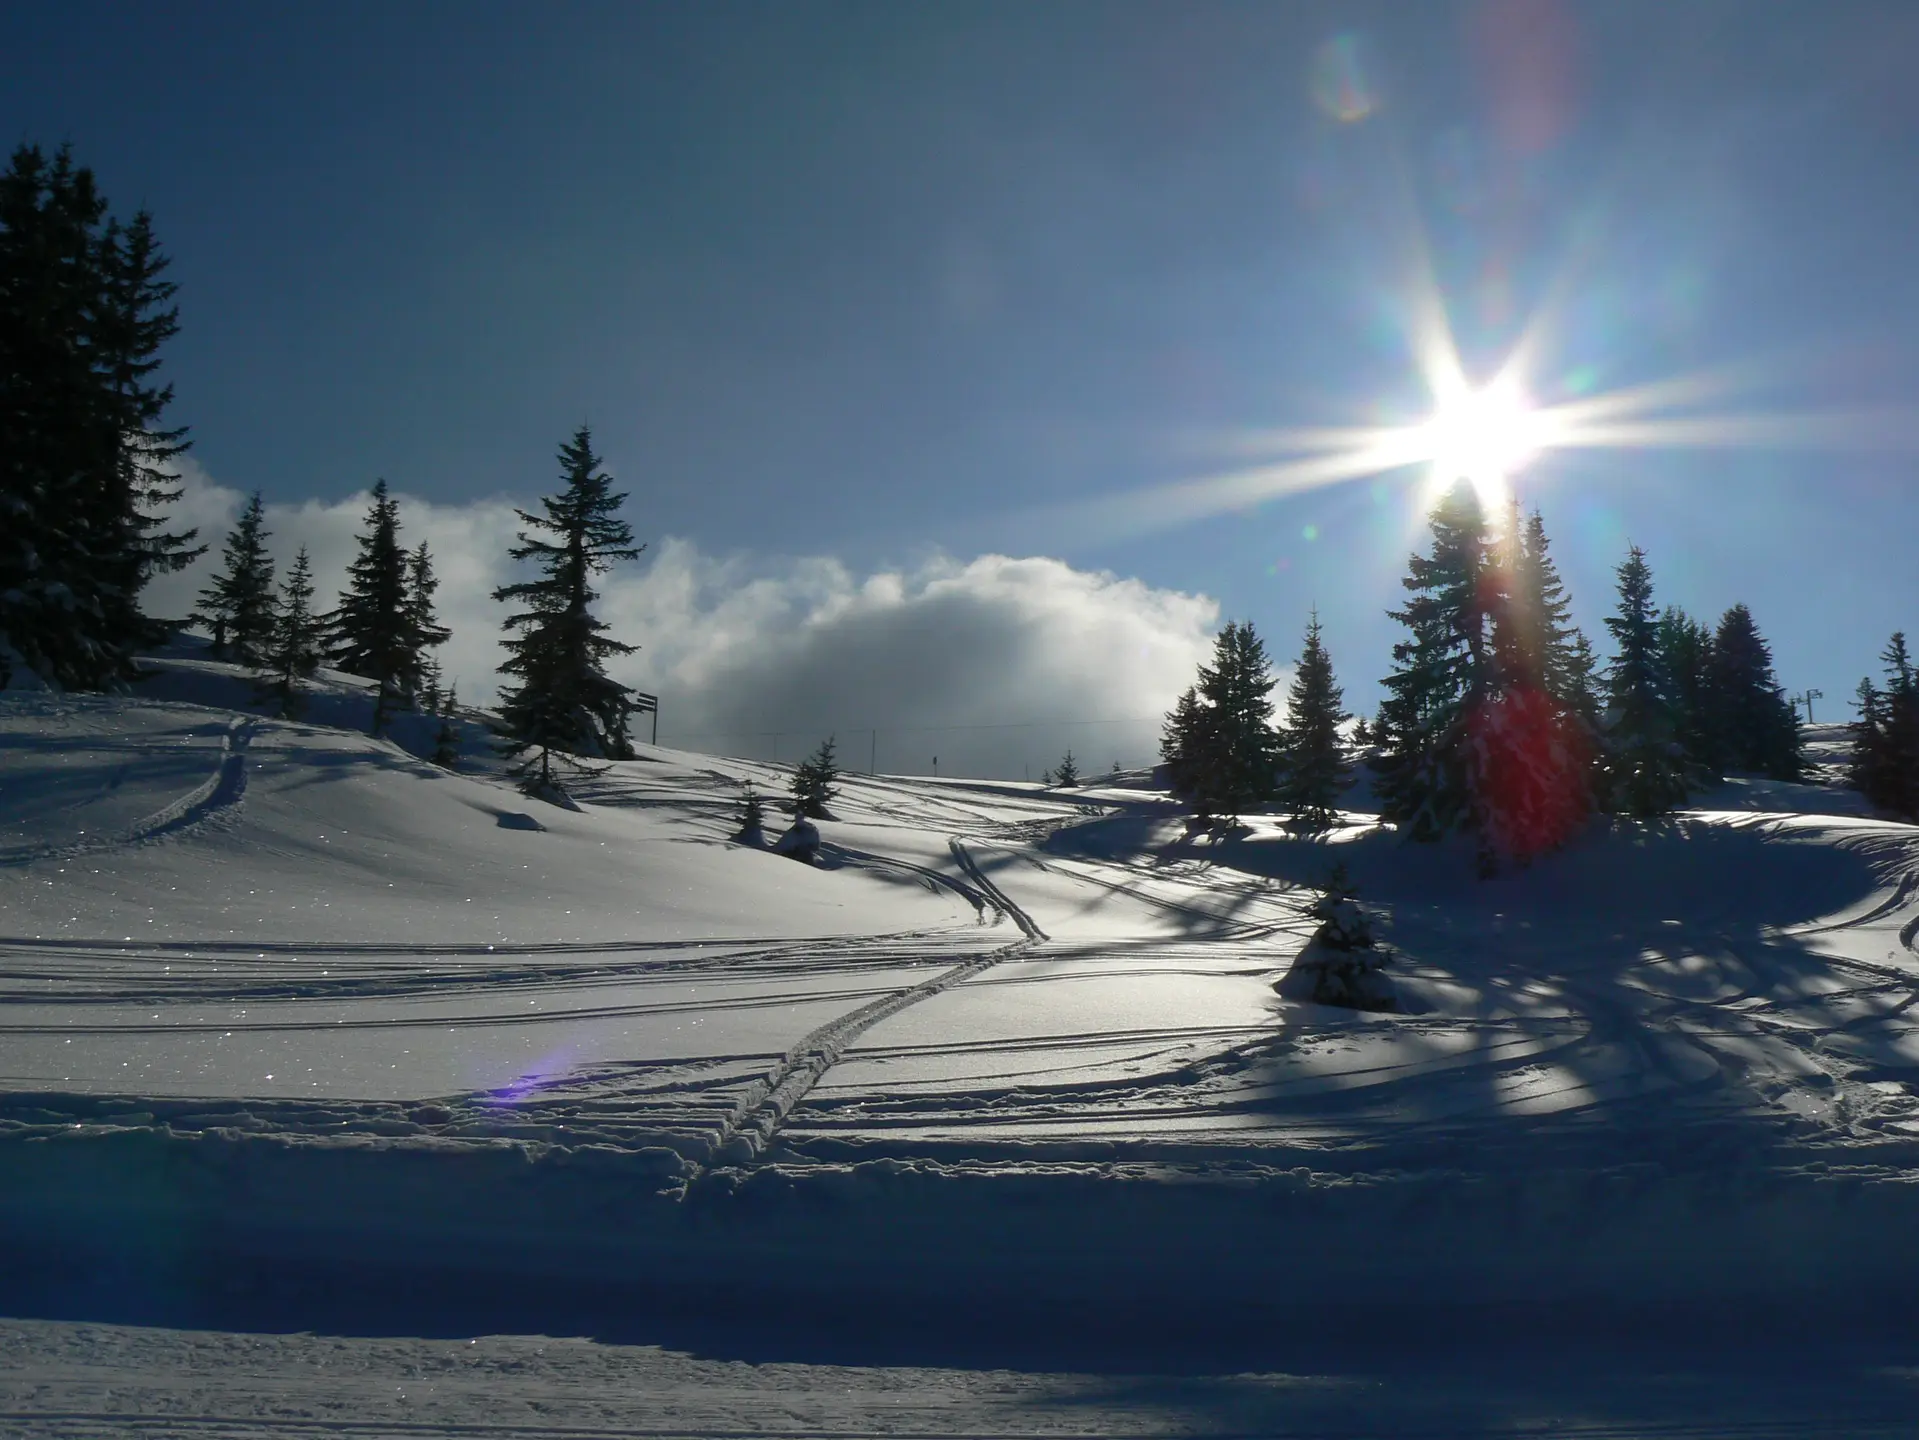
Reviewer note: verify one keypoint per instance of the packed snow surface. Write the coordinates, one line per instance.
(274, 973)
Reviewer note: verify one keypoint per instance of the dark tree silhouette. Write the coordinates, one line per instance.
(1312, 757)
(83, 455)
(816, 783)
(297, 638)
(372, 629)
(561, 700)
(237, 605)
(1645, 768)
(1442, 669)
(1885, 737)
(1754, 725)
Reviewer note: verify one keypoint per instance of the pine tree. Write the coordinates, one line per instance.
(421, 684)
(237, 605)
(564, 702)
(83, 314)
(1755, 725)
(1885, 738)
(752, 815)
(372, 629)
(296, 639)
(1183, 741)
(1312, 759)
(1685, 657)
(1529, 736)
(1559, 658)
(815, 783)
(1443, 669)
(432, 693)
(446, 740)
(1645, 766)
(1065, 774)
(1234, 764)
(137, 320)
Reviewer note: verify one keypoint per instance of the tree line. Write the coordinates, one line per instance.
(558, 708)
(86, 476)
(1500, 723)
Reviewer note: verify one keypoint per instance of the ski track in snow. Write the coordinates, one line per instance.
(762, 1110)
(220, 791)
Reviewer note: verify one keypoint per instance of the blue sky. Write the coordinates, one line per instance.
(875, 281)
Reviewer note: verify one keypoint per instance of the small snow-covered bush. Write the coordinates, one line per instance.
(801, 842)
(1343, 964)
(751, 817)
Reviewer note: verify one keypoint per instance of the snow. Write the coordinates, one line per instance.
(999, 1043)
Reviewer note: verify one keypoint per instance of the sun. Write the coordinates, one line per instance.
(1482, 436)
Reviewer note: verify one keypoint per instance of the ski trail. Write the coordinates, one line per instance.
(765, 1106)
(219, 791)
(1019, 917)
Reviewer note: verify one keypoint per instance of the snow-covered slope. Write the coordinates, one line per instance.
(286, 988)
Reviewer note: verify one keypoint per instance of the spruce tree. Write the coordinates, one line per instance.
(237, 604)
(561, 700)
(1885, 738)
(137, 319)
(751, 817)
(421, 683)
(1312, 758)
(1755, 725)
(1231, 756)
(1442, 669)
(816, 783)
(1559, 658)
(296, 639)
(1183, 740)
(1066, 774)
(372, 633)
(446, 739)
(1529, 736)
(1645, 768)
(83, 314)
(1685, 658)
(432, 691)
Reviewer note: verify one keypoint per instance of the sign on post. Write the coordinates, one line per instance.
(648, 705)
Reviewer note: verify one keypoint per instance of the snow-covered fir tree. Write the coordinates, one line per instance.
(1312, 756)
(816, 782)
(1441, 670)
(84, 458)
(1885, 738)
(237, 605)
(371, 631)
(1645, 767)
(560, 700)
(297, 639)
(1755, 726)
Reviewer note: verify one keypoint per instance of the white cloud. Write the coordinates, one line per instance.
(996, 664)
